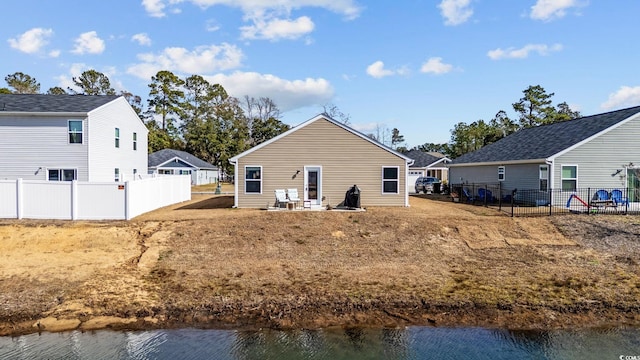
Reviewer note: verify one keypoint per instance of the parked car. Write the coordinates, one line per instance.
(426, 184)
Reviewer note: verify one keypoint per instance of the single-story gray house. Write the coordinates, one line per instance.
(430, 163)
(176, 162)
(598, 151)
(323, 159)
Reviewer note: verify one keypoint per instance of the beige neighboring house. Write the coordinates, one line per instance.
(323, 159)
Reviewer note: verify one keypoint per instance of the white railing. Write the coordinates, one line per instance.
(75, 200)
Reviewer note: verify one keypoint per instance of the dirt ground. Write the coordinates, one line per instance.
(204, 264)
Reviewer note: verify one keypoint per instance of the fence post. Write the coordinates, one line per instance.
(500, 196)
(589, 201)
(513, 202)
(127, 210)
(19, 200)
(74, 199)
(550, 203)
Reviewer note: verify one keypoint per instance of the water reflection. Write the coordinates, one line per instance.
(353, 343)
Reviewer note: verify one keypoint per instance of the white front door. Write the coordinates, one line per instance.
(313, 185)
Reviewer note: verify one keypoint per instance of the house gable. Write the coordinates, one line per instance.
(345, 157)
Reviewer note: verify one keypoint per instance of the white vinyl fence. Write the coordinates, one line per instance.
(75, 200)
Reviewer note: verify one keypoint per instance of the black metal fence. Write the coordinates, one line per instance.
(535, 202)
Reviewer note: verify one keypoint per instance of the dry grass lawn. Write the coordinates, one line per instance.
(202, 263)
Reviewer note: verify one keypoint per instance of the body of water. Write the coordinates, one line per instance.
(406, 343)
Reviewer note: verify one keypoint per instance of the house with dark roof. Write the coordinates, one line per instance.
(431, 164)
(597, 151)
(70, 137)
(176, 162)
(323, 159)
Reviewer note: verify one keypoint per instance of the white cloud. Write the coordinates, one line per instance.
(378, 71)
(54, 53)
(288, 94)
(154, 8)
(274, 29)
(89, 42)
(201, 60)
(142, 39)
(455, 12)
(31, 41)
(625, 96)
(348, 8)
(212, 26)
(547, 10)
(435, 66)
(269, 19)
(512, 53)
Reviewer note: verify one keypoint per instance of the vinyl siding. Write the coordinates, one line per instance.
(517, 176)
(104, 157)
(603, 156)
(345, 158)
(32, 142)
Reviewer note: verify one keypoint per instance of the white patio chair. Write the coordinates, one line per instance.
(281, 198)
(292, 194)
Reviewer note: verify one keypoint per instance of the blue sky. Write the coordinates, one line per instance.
(419, 66)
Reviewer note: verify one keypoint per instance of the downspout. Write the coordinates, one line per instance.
(235, 183)
(551, 175)
(406, 177)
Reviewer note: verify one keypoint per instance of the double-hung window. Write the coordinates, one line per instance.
(116, 174)
(390, 179)
(75, 131)
(253, 179)
(117, 137)
(569, 177)
(135, 141)
(501, 173)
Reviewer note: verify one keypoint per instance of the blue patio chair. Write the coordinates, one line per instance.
(602, 195)
(467, 194)
(485, 195)
(618, 198)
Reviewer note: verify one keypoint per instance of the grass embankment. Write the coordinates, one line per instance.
(202, 264)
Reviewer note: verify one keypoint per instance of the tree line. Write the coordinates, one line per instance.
(201, 118)
(534, 108)
(187, 114)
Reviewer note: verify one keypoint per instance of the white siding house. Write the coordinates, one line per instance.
(176, 162)
(70, 137)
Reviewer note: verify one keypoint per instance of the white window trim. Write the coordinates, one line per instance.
(69, 132)
(245, 179)
(60, 170)
(396, 179)
(502, 170)
(540, 178)
(562, 178)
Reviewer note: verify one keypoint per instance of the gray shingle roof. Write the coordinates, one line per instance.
(52, 103)
(543, 141)
(422, 159)
(161, 156)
